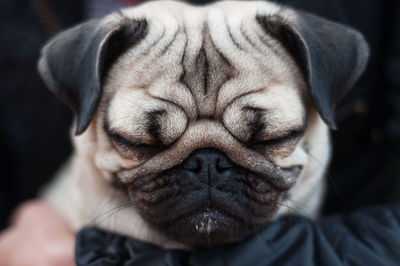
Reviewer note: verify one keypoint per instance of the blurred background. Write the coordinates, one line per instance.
(35, 126)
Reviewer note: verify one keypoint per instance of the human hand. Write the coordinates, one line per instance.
(37, 236)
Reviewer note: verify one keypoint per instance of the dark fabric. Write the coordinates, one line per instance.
(34, 131)
(366, 237)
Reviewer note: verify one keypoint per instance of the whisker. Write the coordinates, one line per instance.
(315, 159)
(103, 216)
(294, 209)
(335, 189)
(290, 208)
(328, 176)
(302, 206)
(106, 202)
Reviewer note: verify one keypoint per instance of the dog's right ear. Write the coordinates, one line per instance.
(74, 63)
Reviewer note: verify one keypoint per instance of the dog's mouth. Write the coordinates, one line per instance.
(207, 200)
(205, 227)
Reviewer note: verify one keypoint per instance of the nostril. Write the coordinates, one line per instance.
(193, 165)
(222, 164)
(207, 161)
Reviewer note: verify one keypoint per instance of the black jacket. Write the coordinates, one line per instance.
(368, 237)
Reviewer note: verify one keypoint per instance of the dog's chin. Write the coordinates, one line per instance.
(207, 227)
(203, 214)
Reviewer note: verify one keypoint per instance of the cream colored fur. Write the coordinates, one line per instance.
(146, 78)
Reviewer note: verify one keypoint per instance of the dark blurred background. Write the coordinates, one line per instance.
(35, 126)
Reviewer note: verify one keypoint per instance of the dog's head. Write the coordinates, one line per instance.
(208, 117)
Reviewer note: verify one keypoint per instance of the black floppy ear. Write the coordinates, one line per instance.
(73, 64)
(330, 55)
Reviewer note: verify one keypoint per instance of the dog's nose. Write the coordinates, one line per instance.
(207, 163)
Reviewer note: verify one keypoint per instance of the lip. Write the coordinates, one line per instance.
(205, 213)
(283, 178)
(204, 221)
(215, 203)
(206, 227)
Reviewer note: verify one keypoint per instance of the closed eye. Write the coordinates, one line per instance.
(120, 140)
(128, 148)
(293, 135)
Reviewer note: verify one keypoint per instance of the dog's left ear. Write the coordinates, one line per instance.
(74, 63)
(330, 55)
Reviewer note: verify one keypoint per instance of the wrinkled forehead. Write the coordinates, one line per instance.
(202, 59)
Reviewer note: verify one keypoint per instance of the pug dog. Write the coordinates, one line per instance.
(198, 125)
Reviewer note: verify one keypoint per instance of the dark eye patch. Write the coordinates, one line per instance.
(154, 126)
(290, 136)
(286, 140)
(256, 124)
(126, 142)
(127, 146)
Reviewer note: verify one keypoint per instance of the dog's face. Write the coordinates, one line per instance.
(209, 118)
